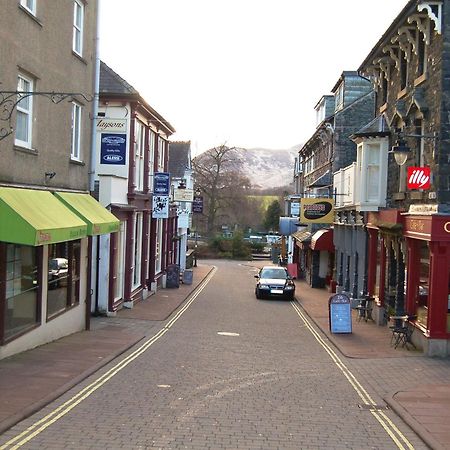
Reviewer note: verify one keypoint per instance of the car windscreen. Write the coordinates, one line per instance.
(273, 274)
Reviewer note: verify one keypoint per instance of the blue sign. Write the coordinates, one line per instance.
(113, 149)
(340, 314)
(161, 185)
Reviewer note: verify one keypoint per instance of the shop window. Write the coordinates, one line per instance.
(137, 266)
(63, 277)
(422, 294)
(19, 286)
(119, 262)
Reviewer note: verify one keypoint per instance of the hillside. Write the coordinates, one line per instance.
(268, 168)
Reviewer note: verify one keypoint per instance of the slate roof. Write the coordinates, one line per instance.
(112, 83)
(377, 127)
(322, 181)
(179, 158)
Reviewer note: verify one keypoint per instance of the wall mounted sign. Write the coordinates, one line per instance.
(340, 314)
(113, 148)
(197, 204)
(105, 125)
(183, 195)
(317, 210)
(160, 207)
(161, 183)
(295, 209)
(419, 178)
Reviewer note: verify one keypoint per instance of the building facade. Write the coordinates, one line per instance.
(408, 228)
(48, 218)
(132, 152)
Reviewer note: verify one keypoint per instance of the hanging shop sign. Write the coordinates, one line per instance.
(113, 148)
(160, 207)
(419, 178)
(197, 204)
(161, 184)
(183, 195)
(317, 210)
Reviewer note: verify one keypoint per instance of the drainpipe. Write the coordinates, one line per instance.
(95, 105)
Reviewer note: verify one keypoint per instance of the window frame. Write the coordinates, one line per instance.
(137, 256)
(22, 80)
(75, 148)
(24, 4)
(139, 152)
(78, 28)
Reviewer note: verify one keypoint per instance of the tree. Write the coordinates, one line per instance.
(219, 176)
(272, 218)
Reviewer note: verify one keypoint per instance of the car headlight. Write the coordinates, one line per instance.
(263, 286)
(289, 287)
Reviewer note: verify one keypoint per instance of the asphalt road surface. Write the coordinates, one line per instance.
(227, 371)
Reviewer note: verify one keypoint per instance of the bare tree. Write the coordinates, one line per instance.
(218, 174)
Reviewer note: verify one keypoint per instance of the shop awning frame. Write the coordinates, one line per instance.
(322, 240)
(97, 218)
(35, 217)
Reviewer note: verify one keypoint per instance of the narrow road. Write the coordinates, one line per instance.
(226, 372)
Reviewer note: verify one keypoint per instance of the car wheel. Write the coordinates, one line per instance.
(257, 294)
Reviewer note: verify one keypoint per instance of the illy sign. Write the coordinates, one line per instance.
(419, 178)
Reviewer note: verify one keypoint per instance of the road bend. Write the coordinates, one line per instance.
(226, 371)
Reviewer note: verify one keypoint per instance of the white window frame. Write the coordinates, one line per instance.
(29, 5)
(137, 256)
(139, 147)
(119, 291)
(78, 27)
(151, 159)
(75, 149)
(161, 153)
(25, 84)
(158, 247)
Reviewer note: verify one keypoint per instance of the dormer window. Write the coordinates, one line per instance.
(339, 104)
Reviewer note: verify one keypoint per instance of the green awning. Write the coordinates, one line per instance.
(33, 217)
(98, 219)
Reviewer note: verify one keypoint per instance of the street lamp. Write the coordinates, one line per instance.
(400, 151)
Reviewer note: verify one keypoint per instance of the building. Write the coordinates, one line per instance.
(132, 180)
(408, 228)
(48, 219)
(181, 174)
(339, 115)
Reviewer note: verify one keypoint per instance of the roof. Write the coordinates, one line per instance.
(322, 181)
(377, 127)
(113, 85)
(179, 158)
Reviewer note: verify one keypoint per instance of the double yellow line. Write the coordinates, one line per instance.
(396, 435)
(42, 424)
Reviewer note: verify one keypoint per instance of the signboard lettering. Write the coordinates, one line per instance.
(317, 210)
(113, 148)
(419, 178)
(112, 125)
(197, 204)
(161, 184)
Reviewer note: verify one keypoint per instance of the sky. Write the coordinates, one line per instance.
(245, 73)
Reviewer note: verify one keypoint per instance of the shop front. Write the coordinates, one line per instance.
(428, 279)
(44, 274)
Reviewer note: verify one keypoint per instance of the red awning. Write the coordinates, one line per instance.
(323, 240)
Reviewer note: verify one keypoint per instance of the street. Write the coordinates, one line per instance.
(226, 371)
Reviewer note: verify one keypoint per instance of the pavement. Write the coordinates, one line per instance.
(33, 379)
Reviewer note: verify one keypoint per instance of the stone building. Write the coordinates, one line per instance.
(409, 228)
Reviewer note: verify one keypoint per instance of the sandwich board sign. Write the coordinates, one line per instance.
(340, 314)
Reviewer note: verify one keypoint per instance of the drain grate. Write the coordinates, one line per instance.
(373, 407)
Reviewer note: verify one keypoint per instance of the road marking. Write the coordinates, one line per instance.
(391, 429)
(227, 333)
(42, 424)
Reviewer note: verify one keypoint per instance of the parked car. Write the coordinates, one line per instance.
(274, 281)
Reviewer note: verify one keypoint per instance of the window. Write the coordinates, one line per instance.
(137, 266)
(158, 249)
(161, 154)
(373, 172)
(24, 118)
(19, 285)
(119, 262)
(384, 88)
(139, 156)
(421, 55)
(151, 159)
(75, 152)
(63, 276)
(339, 100)
(78, 19)
(403, 70)
(29, 5)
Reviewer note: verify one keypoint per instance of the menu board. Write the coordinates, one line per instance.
(340, 314)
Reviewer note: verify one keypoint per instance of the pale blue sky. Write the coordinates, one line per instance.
(244, 72)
